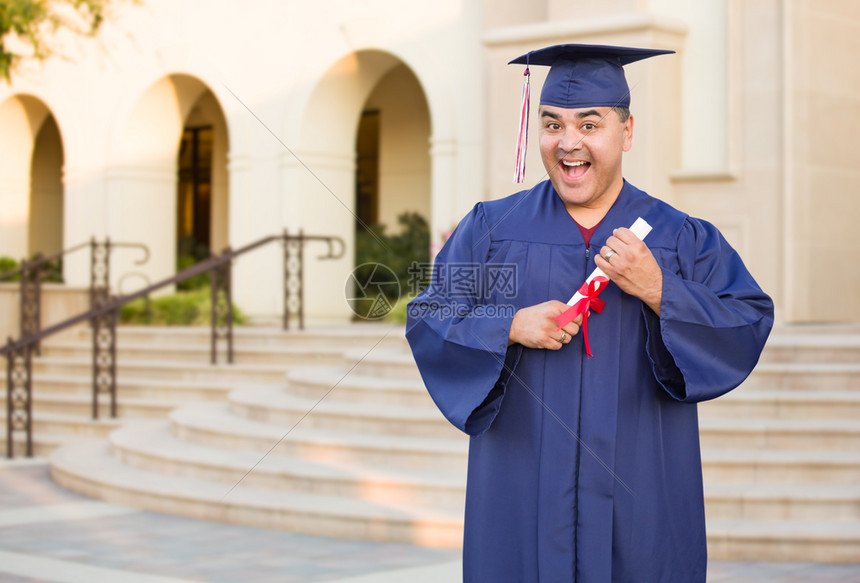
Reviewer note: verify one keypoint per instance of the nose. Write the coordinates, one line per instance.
(571, 139)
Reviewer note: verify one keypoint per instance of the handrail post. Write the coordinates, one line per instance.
(221, 314)
(293, 288)
(103, 327)
(99, 272)
(19, 397)
(228, 307)
(213, 315)
(286, 275)
(31, 298)
(301, 278)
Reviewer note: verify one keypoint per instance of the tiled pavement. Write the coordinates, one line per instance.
(50, 535)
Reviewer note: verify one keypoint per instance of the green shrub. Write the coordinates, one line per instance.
(184, 308)
(198, 281)
(8, 264)
(397, 252)
(52, 272)
(398, 314)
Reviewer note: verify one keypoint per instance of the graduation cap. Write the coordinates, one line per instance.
(579, 76)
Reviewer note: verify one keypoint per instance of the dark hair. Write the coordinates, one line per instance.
(623, 113)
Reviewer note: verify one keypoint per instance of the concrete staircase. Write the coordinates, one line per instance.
(781, 454)
(327, 432)
(331, 432)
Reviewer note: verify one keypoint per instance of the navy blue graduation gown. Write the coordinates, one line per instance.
(584, 469)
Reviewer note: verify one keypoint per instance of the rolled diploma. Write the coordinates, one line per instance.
(640, 228)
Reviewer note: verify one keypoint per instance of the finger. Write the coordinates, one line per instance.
(607, 267)
(602, 261)
(625, 235)
(616, 244)
(612, 241)
(607, 252)
(572, 330)
(629, 239)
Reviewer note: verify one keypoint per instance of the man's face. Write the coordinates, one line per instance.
(581, 150)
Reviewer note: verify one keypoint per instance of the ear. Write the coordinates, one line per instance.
(628, 134)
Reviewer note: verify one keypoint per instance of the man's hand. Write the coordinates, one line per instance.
(534, 327)
(632, 267)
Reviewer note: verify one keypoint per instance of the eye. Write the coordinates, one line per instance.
(553, 126)
(589, 126)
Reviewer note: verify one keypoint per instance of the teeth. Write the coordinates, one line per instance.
(579, 163)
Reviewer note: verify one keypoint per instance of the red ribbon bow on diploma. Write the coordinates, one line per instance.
(590, 301)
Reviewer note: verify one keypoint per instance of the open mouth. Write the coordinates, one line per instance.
(575, 170)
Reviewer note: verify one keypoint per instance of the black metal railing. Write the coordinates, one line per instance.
(32, 276)
(103, 316)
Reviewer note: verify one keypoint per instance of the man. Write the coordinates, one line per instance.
(581, 468)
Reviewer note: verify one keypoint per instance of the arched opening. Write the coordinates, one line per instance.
(339, 131)
(393, 151)
(392, 184)
(31, 184)
(201, 201)
(46, 191)
(367, 170)
(168, 185)
(194, 193)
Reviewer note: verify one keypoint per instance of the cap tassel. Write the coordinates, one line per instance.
(523, 138)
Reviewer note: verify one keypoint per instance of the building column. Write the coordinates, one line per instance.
(318, 196)
(15, 217)
(443, 213)
(140, 203)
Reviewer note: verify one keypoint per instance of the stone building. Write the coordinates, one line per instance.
(196, 125)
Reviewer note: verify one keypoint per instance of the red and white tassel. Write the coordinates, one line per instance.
(523, 138)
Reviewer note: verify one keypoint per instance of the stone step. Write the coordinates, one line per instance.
(363, 335)
(343, 384)
(797, 404)
(141, 388)
(51, 430)
(780, 434)
(750, 466)
(791, 541)
(53, 426)
(804, 343)
(200, 353)
(43, 445)
(383, 363)
(149, 445)
(64, 425)
(796, 502)
(162, 369)
(81, 406)
(805, 376)
(276, 406)
(88, 468)
(212, 424)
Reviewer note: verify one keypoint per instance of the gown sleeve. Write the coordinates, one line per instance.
(461, 352)
(714, 318)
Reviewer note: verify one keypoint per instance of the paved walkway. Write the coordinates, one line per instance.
(50, 535)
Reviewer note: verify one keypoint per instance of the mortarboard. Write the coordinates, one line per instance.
(579, 76)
